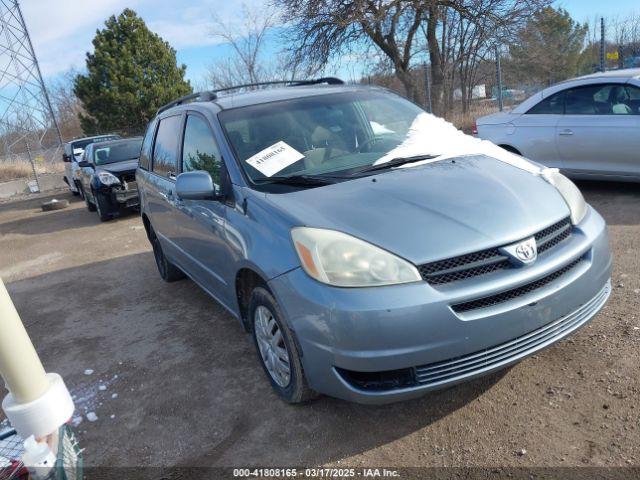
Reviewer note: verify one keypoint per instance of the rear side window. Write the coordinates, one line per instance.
(145, 152)
(553, 105)
(199, 151)
(165, 149)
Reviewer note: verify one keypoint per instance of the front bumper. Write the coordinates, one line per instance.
(412, 328)
(116, 198)
(126, 198)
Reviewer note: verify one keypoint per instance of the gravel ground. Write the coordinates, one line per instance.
(169, 378)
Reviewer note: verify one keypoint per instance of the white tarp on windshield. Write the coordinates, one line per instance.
(430, 135)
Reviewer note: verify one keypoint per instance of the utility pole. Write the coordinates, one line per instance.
(602, 46)
(499, 79)
(427, 87)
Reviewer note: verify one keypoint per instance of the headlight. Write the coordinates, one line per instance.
(344, 261)
(569, 192)
(107, 178)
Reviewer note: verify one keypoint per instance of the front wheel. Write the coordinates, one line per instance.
(101, 206)
(277, 350)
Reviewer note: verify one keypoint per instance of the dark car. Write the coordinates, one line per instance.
(72, 153)
(108, 177)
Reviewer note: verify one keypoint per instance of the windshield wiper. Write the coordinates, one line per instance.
(394, 162)
(297, 180)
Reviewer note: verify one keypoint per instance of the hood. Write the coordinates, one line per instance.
(119, 167)
(434, 211)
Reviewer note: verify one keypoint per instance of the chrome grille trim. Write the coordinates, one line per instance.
(468, 365)
(486, 261)
(513, 293)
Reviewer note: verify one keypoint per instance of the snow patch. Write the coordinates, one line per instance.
(430, 135)
(92, 417)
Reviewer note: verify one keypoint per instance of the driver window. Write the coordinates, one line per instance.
(199, 150)
(600, 99)
(632, 95)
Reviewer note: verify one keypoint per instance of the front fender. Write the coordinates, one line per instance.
(260, 237)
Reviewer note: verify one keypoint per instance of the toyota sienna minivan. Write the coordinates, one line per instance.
(373, 251)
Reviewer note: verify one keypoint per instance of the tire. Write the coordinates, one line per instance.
(101, 207)
(90, 206)
(57, 205)
(168, 271)
(277, 349)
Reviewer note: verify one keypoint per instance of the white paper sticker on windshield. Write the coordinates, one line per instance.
(275, 158)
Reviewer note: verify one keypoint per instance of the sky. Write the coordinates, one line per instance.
(62, 35)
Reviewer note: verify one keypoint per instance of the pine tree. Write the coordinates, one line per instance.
(131, 73)
(548, 49)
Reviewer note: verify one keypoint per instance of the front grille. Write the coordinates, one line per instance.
(550, 237)
(490, 260)
(502, 297)
(474, 363)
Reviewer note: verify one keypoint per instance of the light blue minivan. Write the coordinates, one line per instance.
(361, 273)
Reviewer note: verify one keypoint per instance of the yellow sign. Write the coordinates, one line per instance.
(612, 56)
(39, 159)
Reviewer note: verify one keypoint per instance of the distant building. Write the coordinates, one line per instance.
(478, 92)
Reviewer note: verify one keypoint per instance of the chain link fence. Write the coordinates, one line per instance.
(31, 158)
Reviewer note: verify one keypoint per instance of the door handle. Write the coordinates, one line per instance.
(566, 132)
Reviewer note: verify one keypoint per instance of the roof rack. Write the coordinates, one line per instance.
(205, 96)
(317, 81)
(209, 95)
(290, 83)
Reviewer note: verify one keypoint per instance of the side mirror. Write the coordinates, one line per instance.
(196, 185)
(66, 158)
(84, 164)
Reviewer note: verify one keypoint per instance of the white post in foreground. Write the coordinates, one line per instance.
(38, 403)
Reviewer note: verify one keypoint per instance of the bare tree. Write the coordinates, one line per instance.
(324, 30)
(66, 105)
(248, 40)
(460, 32)
(405, 29)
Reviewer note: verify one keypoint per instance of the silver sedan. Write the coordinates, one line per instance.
(588, 126)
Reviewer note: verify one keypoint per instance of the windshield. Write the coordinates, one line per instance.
(119, 152)
(319, 135)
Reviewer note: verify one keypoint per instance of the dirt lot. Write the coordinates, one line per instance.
(176, 382)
